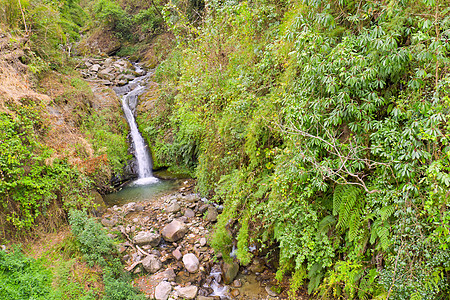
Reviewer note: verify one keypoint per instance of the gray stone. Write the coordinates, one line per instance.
(107, 74)
(94, 68)
(229, 272)
(191, 198)
(174, 231)
(109, 222)
(147, 238)
(203, 208)
(189, 213)
(191, 262)
(211, 214)
(188, 292)
(129, 77)
(173, 207)
(202, 241)
(151, 263)
(205, 298)
(177, 254)
(163, 290)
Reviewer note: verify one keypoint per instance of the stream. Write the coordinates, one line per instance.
(167, 227)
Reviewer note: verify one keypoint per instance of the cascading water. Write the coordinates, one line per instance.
(129, 102)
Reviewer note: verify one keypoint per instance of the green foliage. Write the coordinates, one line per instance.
(23, 277)
(113, 17)
(99, 249)
(29, 183)
(108, 137)
(327, 122)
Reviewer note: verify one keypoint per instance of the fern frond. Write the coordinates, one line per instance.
(380, 230)
(348, 200)
(354, 225)
(386, 212)
(383, 233)
(339, 191)
(326, 224)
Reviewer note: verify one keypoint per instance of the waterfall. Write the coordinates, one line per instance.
(142, 153)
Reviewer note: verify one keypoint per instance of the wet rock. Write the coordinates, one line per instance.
(188, 292)
(174, 231)
(163, 290)
(191, 262)
(237, 283)
(151, 263)
(234, 293)
(270, 291)
(211, 214)
(147, 238)
(177, 254)
(229, 272)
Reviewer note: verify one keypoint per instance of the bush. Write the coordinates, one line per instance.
(23, 277)
(99, 249)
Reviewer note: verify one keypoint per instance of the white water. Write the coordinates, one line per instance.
(142, 154)
(219, 290)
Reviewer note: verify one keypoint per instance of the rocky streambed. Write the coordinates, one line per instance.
(112, 71)
(166, 248)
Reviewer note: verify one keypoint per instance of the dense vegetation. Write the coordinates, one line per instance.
(47, 169)
(323, 128)
(321, 125)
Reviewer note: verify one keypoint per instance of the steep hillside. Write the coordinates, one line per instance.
(60, 142)
(322, 126)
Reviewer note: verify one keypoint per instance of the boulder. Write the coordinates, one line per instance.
(191, 262)
(173, 207)
(211, 214)
(229, 272)
(163, 290)
(151, 263)
(174, 231)
(94, 68)
(191, 198)
(189, 213)
(110, 222)
(189, 292)
(108, 74)
(147, 238)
